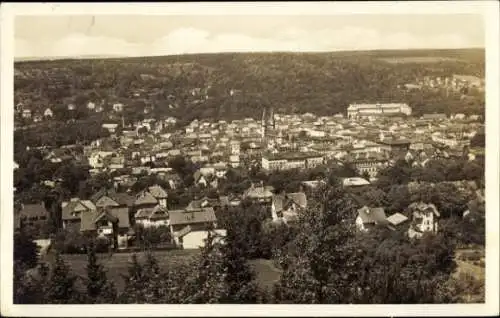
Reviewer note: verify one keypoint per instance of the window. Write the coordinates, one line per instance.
(43, 217)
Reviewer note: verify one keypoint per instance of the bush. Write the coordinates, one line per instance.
(101, 245)
(70, 242)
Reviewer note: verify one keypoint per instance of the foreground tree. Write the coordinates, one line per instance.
(61, 287)
(330, 262)
(321, 265)
(222, 275)
(25, 250)
(99, 289)
(134, 282)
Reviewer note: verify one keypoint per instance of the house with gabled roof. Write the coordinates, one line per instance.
(369, 217)
(286, 206)
(152, 217)
(112, 223)
(259, 193)
(159, 194)
(144, 200)
(31, 215)
(204, 202)
(424, 219)
(190, 228)
(48, 113)
(106, 201)
(200, 179)
(73, 210)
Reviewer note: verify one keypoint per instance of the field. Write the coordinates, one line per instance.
(418, 59)
(471, 274)
(117, 264)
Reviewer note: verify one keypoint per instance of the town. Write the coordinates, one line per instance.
(134, 178)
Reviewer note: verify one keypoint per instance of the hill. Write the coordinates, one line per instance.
(236, 85)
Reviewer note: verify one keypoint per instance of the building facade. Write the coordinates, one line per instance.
(367, 110)
(287, 161)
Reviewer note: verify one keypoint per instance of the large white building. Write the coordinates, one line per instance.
(366, 110)
(286, 161)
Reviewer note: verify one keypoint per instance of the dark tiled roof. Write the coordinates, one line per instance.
(122, 198)
(105, 200)
(204, 215)
(283, 201)
(259, 192)
(158, 192)
(33, 210)
(76, 206)
(119, 215)
(201, 203)
(145, 198)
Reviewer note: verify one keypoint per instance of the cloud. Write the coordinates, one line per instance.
(192, 40)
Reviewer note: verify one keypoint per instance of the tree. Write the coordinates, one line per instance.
(61, 286)
(398, 198)
(222, 274)
(99, 289)
(374, 197)
(365, 175)
(25, 250)
(209, 276)
(479, 140)
(134, 282)
(321, 265)
(30, 286)
(240, 279)
(152, 236)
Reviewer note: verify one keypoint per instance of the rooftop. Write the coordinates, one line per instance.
(203, 215)
(292, 156)
(355, 181)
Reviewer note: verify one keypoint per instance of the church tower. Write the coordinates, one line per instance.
(268, 132)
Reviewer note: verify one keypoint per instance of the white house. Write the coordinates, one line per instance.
(26, 113)
(111, 127)
(196, 239)
(424, 219)
(48, 113)
(190, 227)
(118, 107)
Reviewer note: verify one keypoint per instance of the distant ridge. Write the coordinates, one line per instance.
(81, 57)
(377, 52)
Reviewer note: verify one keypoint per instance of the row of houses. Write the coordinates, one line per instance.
(113, 215)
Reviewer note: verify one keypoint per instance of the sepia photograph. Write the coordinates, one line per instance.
(244, 154)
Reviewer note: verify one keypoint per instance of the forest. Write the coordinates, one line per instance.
(199, 86)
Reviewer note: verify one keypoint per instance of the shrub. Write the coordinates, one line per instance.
(101, 245)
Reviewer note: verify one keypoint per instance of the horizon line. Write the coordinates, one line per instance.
(112, 56)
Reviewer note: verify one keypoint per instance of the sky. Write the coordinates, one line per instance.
(141, 35)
